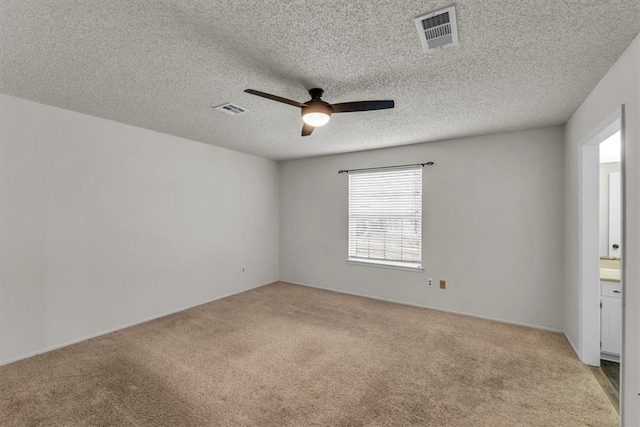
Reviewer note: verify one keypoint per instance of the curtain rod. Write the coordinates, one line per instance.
(386, 167)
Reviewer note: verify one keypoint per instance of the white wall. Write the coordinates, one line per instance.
(605, 170)
(105, 224)
(621, 85)
(493, 220)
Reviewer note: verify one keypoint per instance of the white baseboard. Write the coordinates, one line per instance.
(137, 322)
(477, 316)
(117, 328)
(610, 357)
(575, 350)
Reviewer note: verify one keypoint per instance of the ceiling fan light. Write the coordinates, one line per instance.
(316, 118)
(316, 113)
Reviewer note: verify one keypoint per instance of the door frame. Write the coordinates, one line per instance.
(589, 274)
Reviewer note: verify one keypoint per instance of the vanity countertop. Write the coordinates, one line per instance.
(610, 269)
(610, 274)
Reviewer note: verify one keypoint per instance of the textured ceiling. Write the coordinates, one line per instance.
(161, 65)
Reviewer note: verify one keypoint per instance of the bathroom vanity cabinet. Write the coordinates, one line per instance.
(611, 320)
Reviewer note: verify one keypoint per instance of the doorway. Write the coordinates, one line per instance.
(601, 326)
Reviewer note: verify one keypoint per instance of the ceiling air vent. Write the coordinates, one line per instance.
(230, 109)
(438, 29)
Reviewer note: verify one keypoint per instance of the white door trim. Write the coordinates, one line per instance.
(589, 257)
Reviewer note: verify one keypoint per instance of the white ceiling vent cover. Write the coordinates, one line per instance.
(230, 109)
(438, 29)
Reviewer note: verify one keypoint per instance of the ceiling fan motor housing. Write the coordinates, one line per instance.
(316, 93)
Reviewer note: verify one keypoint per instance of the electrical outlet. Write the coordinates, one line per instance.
(243, 268)
(429, 282)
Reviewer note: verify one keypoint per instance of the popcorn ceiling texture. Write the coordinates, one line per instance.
(161, 65)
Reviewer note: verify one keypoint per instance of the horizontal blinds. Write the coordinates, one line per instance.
(385, 215)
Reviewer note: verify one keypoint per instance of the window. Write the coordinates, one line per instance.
(385, 217)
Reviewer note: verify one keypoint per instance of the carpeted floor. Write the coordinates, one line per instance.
(285, 355)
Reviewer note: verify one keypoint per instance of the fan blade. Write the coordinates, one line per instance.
(307, 129)
(275, 98)
(348, 107)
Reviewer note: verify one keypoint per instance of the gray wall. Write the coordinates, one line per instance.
(104, 225)
(493, 218)
(620, 86)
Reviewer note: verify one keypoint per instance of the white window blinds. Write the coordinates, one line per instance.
(385, 216)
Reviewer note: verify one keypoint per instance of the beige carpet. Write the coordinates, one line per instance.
(285, 355)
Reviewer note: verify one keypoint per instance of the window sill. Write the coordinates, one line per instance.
(393, 265)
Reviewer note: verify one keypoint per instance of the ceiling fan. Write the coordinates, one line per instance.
(316, 112)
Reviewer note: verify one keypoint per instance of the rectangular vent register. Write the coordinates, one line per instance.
(230, 109)
(438, 29)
